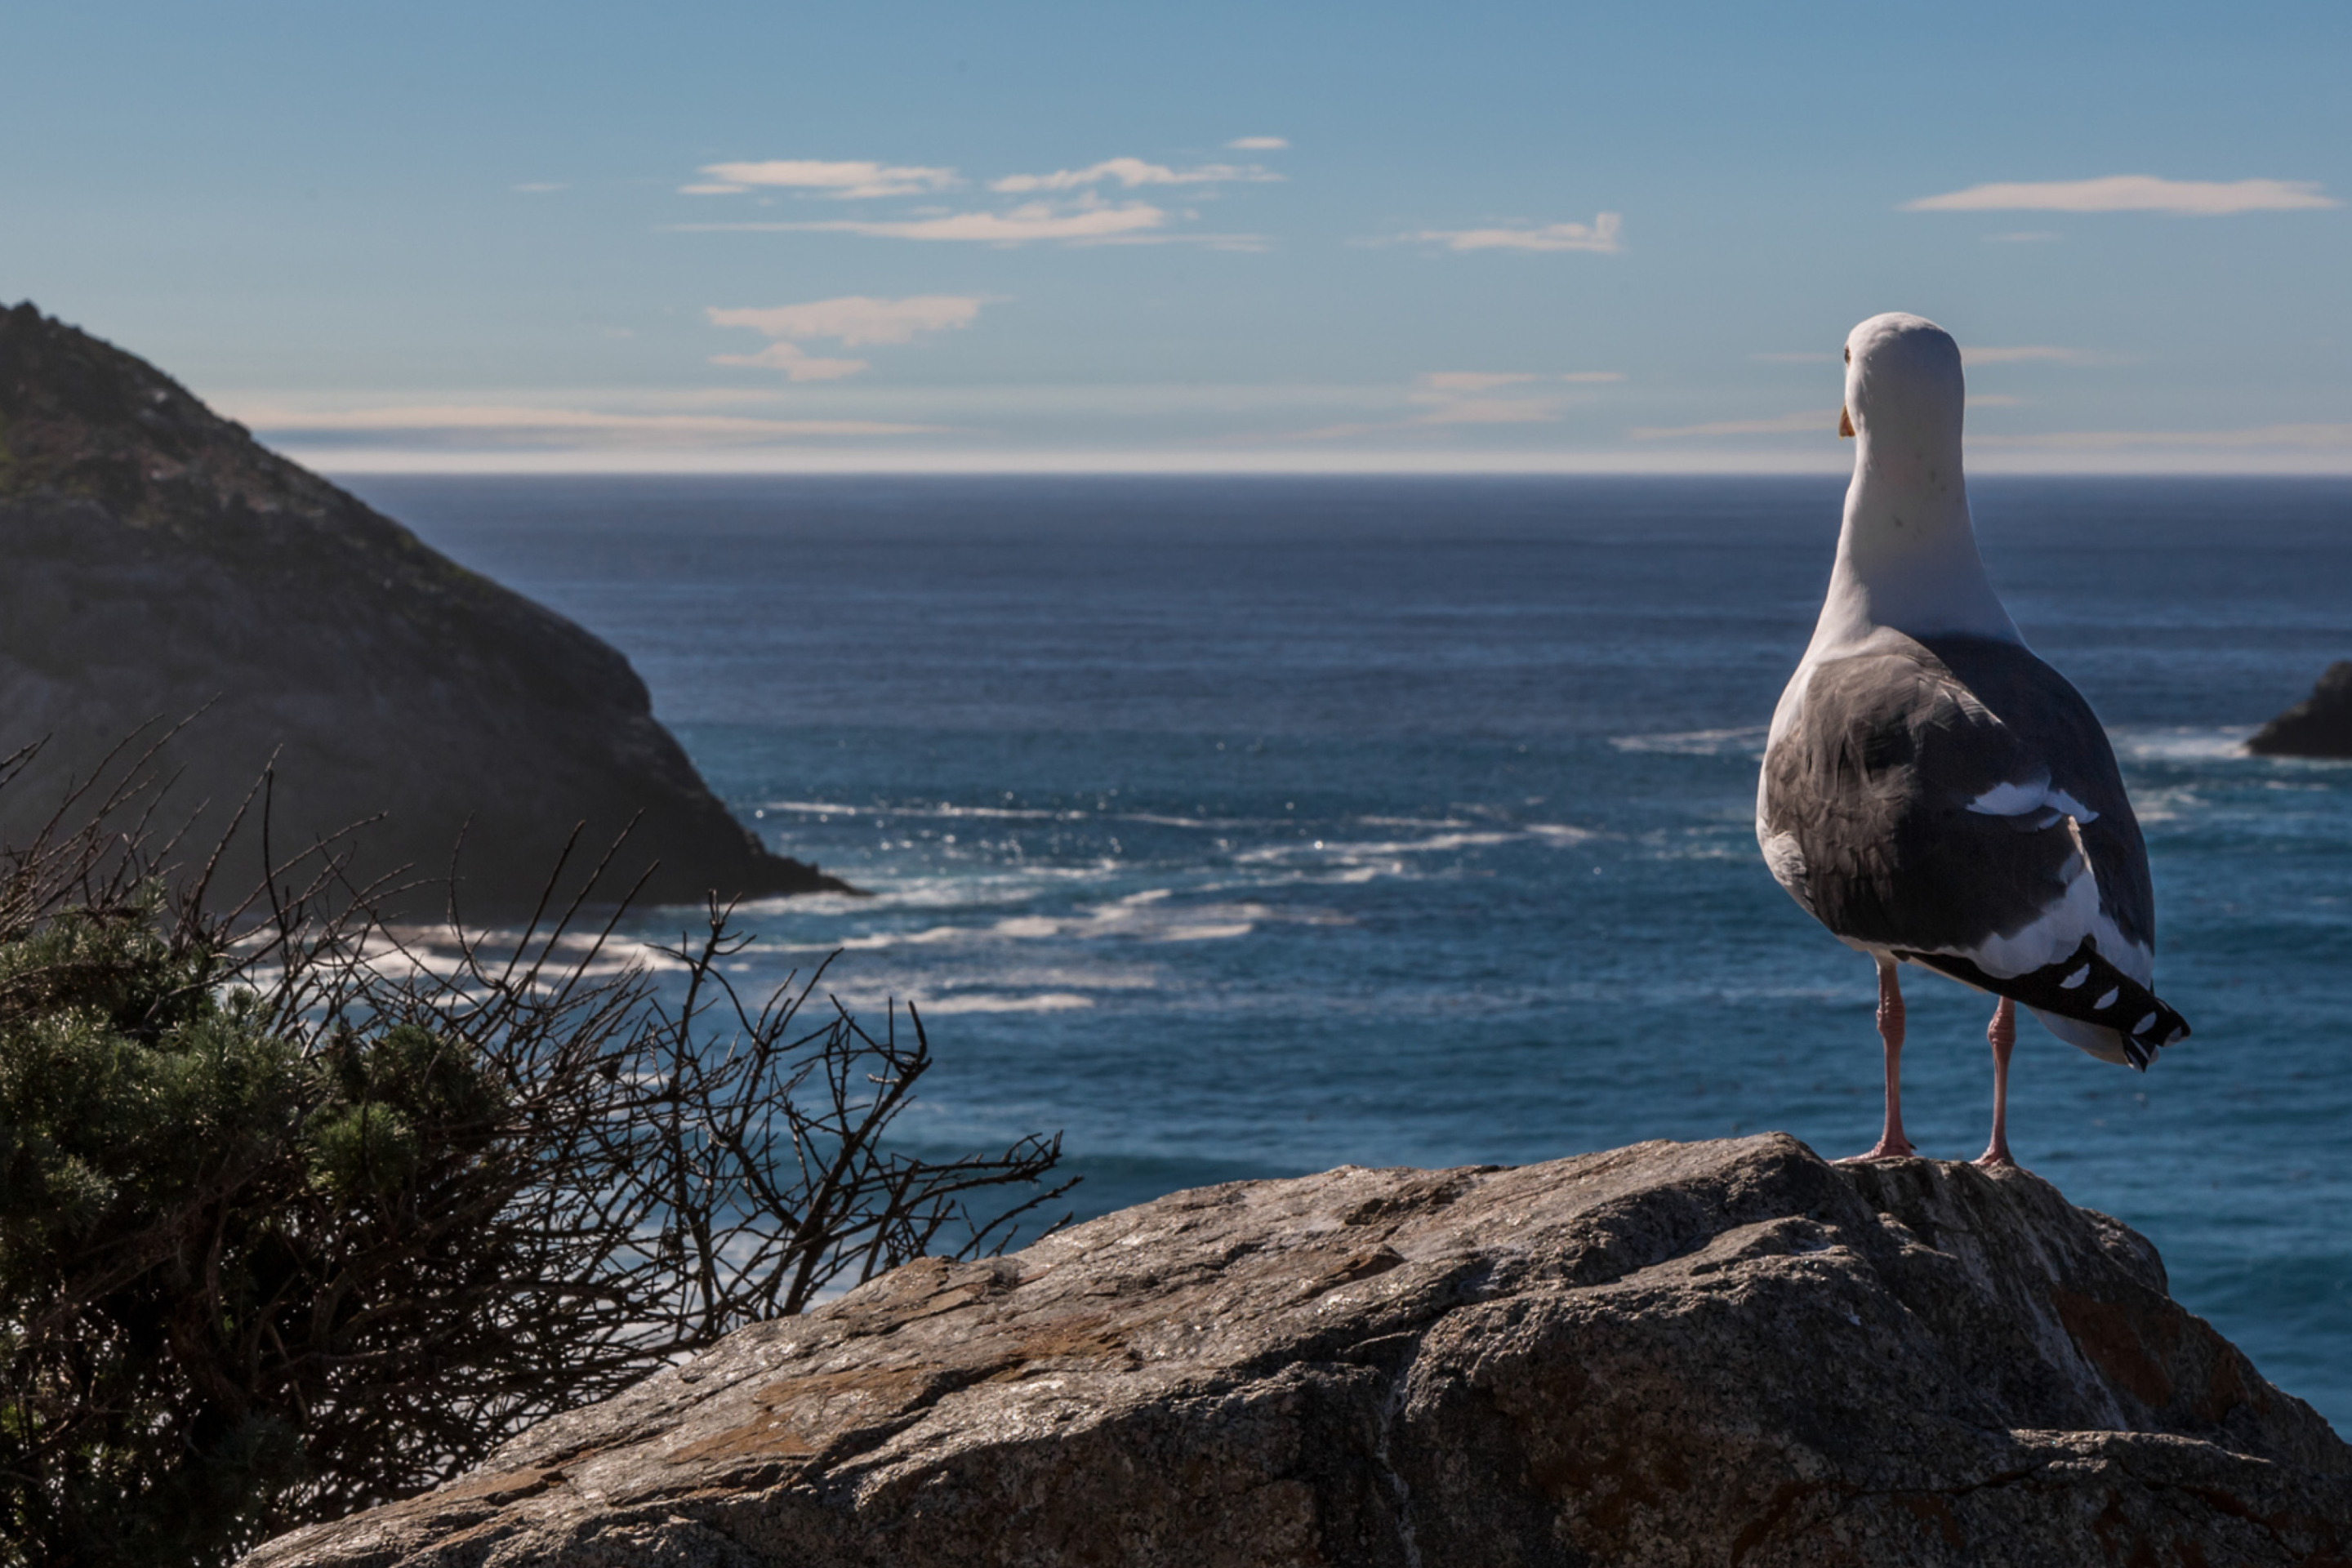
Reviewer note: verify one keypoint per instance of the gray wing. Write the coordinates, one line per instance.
(1917, 783)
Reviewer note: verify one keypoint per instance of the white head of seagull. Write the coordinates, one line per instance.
(1906, 555)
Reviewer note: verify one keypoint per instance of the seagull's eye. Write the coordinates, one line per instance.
(1849, 356)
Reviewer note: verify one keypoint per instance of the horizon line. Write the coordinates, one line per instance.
(850, 462)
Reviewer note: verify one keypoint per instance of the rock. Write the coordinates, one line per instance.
(1705, 1354)
(2318, 726)
(160, 560)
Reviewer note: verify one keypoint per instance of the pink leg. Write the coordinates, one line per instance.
(2002, 1034)
(1892, 1145)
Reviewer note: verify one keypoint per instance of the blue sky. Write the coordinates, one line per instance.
(1203, 236)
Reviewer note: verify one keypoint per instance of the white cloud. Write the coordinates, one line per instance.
(712, 190)
(855, 178)
(1600, 234)
(2131, 193)
(1258, 144)
(2028, 352)
(1084, 223)
(1783, 425)
(795, 361)
(1130, 172)
(857, 318)
(2325, 437)
(852, 320)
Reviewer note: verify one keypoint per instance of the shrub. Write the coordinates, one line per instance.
(299, 1213)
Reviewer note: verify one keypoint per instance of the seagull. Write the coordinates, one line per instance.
(1932, 792)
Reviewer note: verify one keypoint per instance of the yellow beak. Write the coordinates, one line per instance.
(1845, 421)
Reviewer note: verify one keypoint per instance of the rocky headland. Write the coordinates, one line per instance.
(1713, 1353)
(2318, 726)
(161, 562)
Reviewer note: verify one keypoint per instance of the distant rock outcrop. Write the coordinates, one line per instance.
(2318, 726)
(157, 561)
(1702, 1355)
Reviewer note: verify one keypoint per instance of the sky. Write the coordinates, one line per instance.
(1309, 237)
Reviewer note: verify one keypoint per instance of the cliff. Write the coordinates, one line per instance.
(1709, 1353)
(159, 561)
(2318, 726)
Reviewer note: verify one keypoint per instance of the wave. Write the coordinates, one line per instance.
(1745, 740)
(2179, 742)
(975, 1002)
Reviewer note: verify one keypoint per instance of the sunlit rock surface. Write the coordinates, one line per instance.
(160, 562)
(1708, 1354)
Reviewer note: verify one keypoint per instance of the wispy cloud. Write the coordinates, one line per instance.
(1088, 221)
(1600, 234)
(858, 318)
(852, 319)
(2028, 353)
(1258, 144)
(1447, 410)
(855, 178)
(480, 424)
(1781, 425)
(2317, 436)
(795, 361)
(2132, 192)
(1458, 397)
(1024, 225)
(1130, 172)
(1069, 209)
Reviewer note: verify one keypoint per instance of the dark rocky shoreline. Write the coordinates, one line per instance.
(2318, 726)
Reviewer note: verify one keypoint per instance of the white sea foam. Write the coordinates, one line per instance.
(2180, 743)
(1746, 740)
(982, 1002)
(1147, 916)
(1343, 850)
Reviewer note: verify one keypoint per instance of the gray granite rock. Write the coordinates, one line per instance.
(1705, 1353)
(159, 562)
(2318, 726)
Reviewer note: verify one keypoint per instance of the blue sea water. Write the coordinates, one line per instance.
(1241, 828)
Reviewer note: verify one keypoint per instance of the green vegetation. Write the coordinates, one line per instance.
(298, 1215)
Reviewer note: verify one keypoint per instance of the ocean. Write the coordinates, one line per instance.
(1248, 826)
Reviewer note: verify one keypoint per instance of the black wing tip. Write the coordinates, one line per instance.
(2088, 988)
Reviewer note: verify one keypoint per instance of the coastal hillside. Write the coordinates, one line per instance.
(161, 562)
